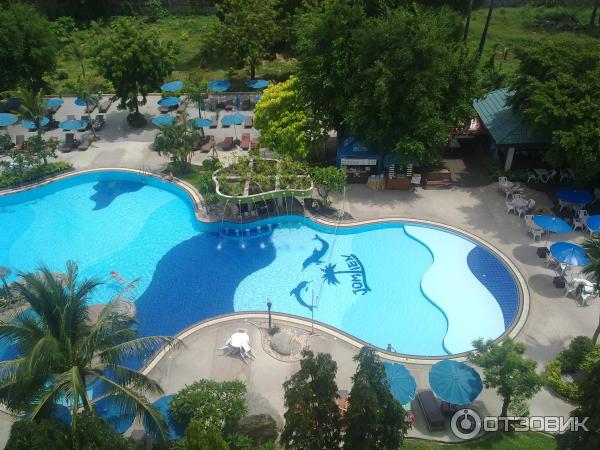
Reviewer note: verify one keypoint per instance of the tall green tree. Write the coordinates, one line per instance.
(327, 180)
(287, 123)
(324, 54)
(410, 82)
(27, 46)
(60, 351)
(507, 370)
(592, 247)
(248, 30)
(32, 106)
(589, 406)
(197, 92)
(375, 419)
(134, 60)
(312, 418)
(555, 89)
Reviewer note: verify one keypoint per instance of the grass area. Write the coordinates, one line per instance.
(496, 441)
(512, 27)
(192, 176)
(187, 32)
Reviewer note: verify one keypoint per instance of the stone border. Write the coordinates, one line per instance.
(515, 328)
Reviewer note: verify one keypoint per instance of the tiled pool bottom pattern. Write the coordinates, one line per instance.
(367, 281)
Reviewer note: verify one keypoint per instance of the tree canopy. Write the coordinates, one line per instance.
(556, 89)
(134, 60)
(287, 123)
(27, 46)
(248, 29)
(506, 369)
(375, 419)
(312, 418)
(399, 81)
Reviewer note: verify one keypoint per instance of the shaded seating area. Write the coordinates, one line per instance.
(239, 345)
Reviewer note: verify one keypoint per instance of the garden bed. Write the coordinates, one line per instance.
(33, 176)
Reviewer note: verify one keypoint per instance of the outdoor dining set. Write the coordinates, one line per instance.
(563, 257)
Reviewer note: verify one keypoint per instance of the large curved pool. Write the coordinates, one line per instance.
(421, 289)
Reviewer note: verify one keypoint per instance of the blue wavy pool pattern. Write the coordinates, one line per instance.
(386, 283)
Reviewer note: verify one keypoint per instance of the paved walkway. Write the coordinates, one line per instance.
(473, 204)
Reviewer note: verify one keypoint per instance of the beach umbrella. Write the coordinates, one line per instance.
(576, 196)
(233, 119)
(162, 120)
(176, 431)
(201, 123)
(257, 84)
(172, 86)
(108, 410)
(455, 382)
(73, 125)
(7, 119)
(79, 101)
(169, 101)
(219, 85)
(593, 223)
(53, 103)
(402, 384)
(570, 254)
(552, 224)
(30, 124)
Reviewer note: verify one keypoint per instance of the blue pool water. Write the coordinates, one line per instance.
(421, 289)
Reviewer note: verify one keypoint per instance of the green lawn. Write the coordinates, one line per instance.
(511, 27)
(497, 441)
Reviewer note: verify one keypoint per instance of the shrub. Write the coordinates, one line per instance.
(43, 435)
(556, 19)
(272, 445)
(239, 442)
(212, 164)
(571, 358)
(274, 330)
(154, 10)
(214, 404)
(259, 428)
(198, 437)
(9, 180)
(136, 120)
(555, 381)
(94, 433)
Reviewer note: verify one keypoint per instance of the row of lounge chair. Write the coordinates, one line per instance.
(80, 144)
(248, 122)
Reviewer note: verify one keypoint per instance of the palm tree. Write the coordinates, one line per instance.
(592, 247)
(179, 142)
(485, 28)
(197, 91)
(85, 93)
(33, 106)
(61, 351)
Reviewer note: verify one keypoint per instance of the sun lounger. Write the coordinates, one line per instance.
(215, 121)
(90, 107)
(253, 143)
(228, 143)
(208, 146)
(68, 144)
(84, 142)
(104, 105)
(245, 144)
(248, 122)
(182, 106)
(98, 122)
(431, 410)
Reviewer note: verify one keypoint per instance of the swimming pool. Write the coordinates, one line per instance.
(421, 289)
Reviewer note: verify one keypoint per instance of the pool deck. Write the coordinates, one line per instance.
(472, 204)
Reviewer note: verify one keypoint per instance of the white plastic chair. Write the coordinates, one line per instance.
(532, 177)
(510, 206)
(564, 175)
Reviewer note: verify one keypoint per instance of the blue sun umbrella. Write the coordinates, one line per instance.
(172, 86)
(73, 125)
(53, 103)
(107, 409)
(552, 224)
(201, 123)
(455, 382)
(233, 119)
(176, 431)
(30, 124)
(169, 101)
(7, 119)
(570, 254)
(79, 101)
(578, 196)
(219, 85)
(402, 384)
(257, 84)
(593, 223)
(162, 120)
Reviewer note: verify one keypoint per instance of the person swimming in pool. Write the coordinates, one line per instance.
(118, 278)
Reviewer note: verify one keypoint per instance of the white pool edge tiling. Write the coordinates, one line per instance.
(196, 199)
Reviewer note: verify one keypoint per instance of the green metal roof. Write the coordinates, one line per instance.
(506, 126)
